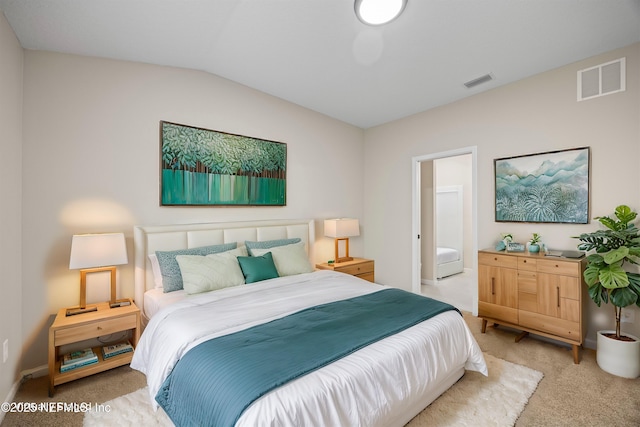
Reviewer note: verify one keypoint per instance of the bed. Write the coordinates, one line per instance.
(449, 231)
(449, 261)
(385, 381)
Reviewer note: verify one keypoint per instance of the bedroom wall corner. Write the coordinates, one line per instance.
(91, 135)
(533, 115)
(11, 82)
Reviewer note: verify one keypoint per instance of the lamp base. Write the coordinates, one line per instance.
(339, 259)
(80, 310)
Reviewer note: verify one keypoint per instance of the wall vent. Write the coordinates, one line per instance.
(478, 81)
(603, 79)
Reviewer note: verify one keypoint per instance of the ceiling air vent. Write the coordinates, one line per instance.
(478, 81)
(603, 79)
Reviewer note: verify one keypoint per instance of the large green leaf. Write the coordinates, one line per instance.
(591, 275)
(623, 297)
(596, 259)
(634, 285)
(625, 214)
(616, 255)
(598, 294)
(608, 222)
(613, 276)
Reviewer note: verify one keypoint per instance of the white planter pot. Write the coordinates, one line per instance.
(621, 358)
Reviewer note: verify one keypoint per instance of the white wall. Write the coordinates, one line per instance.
(91, 164)
(533, 115)
(90, 156)
(10, 206)
(428, 270)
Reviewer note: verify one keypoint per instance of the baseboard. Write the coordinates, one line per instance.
(427, 282)
(39, 371)
(10, 396)
(589, 343)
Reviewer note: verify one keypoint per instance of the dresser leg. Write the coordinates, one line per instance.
(522, 335)
(484, 326)
(576, 354)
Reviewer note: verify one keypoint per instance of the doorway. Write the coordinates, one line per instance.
(449, 177)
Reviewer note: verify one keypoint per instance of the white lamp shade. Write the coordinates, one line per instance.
(341, 227)
(97, 250)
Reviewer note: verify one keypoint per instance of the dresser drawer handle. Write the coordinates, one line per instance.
(525, 261)
(99, 328)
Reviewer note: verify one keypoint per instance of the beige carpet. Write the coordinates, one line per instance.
(475, 400)
(569, 395)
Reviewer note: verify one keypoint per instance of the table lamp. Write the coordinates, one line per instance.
(91, 253)
(341, 229)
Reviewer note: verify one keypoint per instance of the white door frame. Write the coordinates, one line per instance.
(415, 228)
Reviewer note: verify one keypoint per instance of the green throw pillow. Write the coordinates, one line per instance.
(257, 268)
(171, 276)
(211, 272)
(289, 259)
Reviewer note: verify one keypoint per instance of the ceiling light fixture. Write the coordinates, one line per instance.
(378, 12)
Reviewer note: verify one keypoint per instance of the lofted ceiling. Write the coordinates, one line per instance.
(317, 54)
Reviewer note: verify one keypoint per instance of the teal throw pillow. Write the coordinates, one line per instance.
(257, 268)
(268, 244)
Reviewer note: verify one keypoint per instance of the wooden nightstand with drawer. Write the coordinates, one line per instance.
(359, 267)
(67, 330)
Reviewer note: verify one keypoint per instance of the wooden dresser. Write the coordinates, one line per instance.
(534, 293)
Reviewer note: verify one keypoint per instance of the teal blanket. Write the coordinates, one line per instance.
(218, 379)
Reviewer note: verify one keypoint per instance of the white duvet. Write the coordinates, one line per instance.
(374, 386)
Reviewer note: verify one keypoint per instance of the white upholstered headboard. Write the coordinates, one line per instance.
(148, 239)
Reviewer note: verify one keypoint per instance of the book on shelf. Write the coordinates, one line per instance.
(79, 364)
(78, 356)
(116, 349)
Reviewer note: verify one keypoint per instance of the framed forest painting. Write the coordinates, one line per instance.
(202, 167)
(550, 187)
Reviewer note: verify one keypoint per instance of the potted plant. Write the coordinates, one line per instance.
(617, 248)
(502, 244)
(534, 246)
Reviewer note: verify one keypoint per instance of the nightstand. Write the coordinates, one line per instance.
(359, 267)
(73, 329)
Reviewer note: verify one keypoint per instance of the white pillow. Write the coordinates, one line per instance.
(211, 272)
(155, 268)
(289, 259)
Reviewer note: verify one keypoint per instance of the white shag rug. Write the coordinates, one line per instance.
(479, 401)
(475, 400)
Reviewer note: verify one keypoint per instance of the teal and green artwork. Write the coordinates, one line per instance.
(202, 167)
(548, 187)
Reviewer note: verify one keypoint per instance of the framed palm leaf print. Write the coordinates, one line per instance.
(551, 187)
